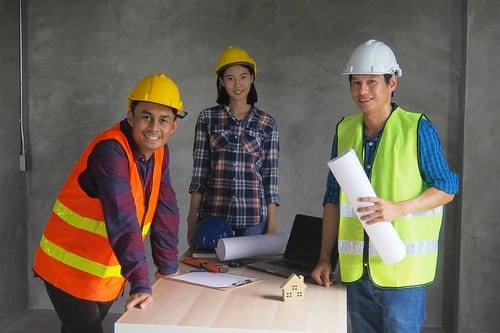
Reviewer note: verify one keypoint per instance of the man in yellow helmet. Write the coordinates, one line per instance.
(403, 158)
(118, 190)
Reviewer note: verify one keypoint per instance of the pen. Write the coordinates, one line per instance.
(241, 283)
(198, 270)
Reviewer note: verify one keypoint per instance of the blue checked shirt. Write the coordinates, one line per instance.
(435, 170)
(235, 165)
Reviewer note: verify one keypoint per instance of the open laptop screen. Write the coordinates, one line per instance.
(304, 244)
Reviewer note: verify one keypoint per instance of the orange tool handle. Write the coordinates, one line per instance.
(208, 265)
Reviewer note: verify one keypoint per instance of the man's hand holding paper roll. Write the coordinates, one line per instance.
(381, 210)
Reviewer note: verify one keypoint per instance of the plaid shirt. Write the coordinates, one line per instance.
(235, 165)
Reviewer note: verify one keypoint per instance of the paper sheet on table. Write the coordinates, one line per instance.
(222, 281)
(353, 180)
(251, 246)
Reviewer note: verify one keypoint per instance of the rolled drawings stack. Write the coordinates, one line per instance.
(353, 180)
(251, 246)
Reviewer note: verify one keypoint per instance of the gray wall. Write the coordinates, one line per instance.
(478, 303)
(83, 57)
(13, 250)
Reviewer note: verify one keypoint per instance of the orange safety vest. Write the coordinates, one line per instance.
(74, 253)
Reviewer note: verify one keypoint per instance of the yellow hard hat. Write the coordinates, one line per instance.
(235, 55)
(159, 89)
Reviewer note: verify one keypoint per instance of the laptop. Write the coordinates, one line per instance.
(302, 250)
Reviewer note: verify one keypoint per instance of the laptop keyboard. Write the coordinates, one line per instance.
(292, 265)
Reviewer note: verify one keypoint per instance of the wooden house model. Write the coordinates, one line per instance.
(294, 288)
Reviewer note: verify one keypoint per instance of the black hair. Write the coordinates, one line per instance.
(133, 104)
(387, 79)
(223, 97)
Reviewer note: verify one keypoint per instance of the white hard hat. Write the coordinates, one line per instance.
(372, 57)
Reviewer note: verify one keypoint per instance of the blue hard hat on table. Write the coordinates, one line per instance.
(209, 231)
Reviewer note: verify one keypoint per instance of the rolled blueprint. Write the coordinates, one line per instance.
(353, 180)
(251, 246)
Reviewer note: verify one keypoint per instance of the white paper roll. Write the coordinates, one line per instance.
(251, 246)
(353, 180)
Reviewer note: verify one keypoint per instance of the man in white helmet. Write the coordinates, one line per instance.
(403, 158)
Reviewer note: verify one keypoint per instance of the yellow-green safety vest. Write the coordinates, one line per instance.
(395, 176)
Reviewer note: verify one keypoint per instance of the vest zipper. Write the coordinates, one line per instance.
(366, 247)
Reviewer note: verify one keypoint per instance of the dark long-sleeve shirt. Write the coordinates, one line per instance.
(107, 178)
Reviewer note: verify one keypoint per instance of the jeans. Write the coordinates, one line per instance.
(77, 315)
(385, 310)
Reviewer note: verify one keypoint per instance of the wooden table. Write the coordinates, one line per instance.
(258, 307)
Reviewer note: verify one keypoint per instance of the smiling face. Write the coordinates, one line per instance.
(151, 125)
(237, 80)
(371, 93)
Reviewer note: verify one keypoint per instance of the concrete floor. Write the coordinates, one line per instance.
(45, 321)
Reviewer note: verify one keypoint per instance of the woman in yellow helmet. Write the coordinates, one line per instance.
(235, 154)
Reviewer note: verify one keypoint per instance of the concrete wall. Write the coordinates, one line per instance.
(83, 57)
(86, 56)
(479, 297)
(13, 250)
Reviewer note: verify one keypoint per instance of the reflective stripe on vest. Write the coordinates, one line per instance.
(85, 223)
(347, 211)
(412, 248)
(78, 262)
